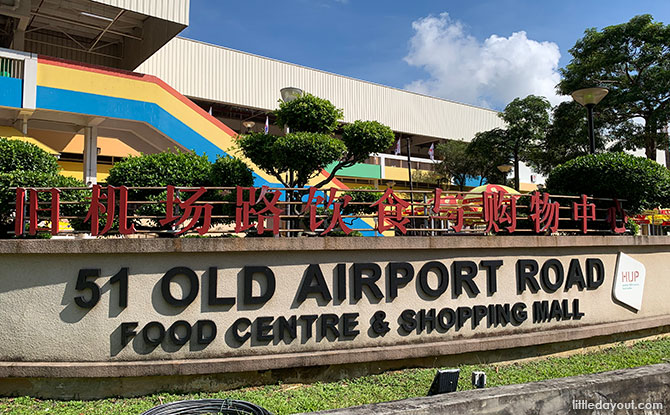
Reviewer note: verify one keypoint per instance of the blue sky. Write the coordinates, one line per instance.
(432, 47)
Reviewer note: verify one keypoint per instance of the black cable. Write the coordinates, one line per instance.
(208, 406)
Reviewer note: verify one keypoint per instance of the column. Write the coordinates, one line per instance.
(90, 155)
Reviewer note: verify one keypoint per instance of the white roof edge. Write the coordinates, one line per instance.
(335, 74)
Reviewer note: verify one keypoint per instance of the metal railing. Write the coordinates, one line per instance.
(263, 211)
(11, 68)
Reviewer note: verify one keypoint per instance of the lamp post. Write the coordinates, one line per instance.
(504, 169)
(248, 125)
(290, 93)
(589, 98)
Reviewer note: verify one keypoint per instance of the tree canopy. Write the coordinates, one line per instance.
(632, 60)
(300, 155)
(456, 163)
(527, 120)
(567, 137)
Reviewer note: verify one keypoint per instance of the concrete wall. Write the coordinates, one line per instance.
(48, 334)
(647, 386)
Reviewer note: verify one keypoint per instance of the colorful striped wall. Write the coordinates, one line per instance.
(89, 90)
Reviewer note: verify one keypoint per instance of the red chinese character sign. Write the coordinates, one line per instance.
(34, 209)
(449, 208)
(97, 210)
(268, 212)
(315, 201)
(583, 212)
(258, 209)
(390, 211)
(499, 210)
(544, 213)
(191, 211)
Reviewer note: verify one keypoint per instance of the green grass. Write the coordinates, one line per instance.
(288, 399)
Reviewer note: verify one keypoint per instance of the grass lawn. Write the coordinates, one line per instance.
(288, 399)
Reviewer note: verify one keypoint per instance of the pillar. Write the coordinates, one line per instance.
(90, 155)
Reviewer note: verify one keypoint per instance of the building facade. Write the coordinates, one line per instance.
(96, 81)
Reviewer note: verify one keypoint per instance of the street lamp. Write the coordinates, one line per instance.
(290, 93)
(589, 98)
(248, 125)
(504, 169)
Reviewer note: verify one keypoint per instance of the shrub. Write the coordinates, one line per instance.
(229, 172)
(643, 183)
(183, 170)
(21, 178)
(19, 155)
(162, 169)
(176, 168)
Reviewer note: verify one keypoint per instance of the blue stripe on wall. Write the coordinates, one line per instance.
(152, 114)
(11, 92)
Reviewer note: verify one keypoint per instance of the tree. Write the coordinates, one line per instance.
(527, 120)
(487, 151)
(300, 155)
(456, 164)
(633, 61)
(567, 137)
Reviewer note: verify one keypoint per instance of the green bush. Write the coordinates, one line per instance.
(19, 155)
(229, 172)
(21, 178)
(162, 169)
(182, 170)
(176, 168)
(644, 184)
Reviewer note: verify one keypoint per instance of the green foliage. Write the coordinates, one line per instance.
(162, 169)
(19, 155)
(361, 139)
(632, 60)
(365, 137)
(307, 153)
(487, 151)
(22, 178)
(643, 183)
(567, 137)
(527, 120)
(456, 163)
(284, 399)
(159, 170)
(367, 198)
(229, 172)
(294, 158)
(308, 113)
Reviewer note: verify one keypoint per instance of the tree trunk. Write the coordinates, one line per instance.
(650, 130)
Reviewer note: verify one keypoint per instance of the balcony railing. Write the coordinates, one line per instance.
(11, 68)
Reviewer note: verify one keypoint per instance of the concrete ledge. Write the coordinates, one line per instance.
(193, 245)
(320, 358)
(647, 384)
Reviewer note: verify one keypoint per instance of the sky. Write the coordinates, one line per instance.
(479, 52)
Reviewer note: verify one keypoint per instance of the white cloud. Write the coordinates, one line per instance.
(490, 73)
